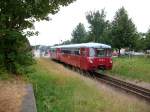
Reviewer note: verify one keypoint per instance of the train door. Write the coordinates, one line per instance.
(58, 51)
(83, 59)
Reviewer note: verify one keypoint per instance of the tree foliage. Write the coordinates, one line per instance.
(120, 33)
(15, 16)
(15, 52)
(98, 25)
(147, 40)
(140, 42)
(123, 30)
(79, 34)
(66, 42)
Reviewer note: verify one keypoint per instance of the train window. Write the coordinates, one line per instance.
(100, 52)
(91, 52)
(76, 52)
(103, 52)
(109, 53)
(52, 50)
(73, 51)
(66, 51)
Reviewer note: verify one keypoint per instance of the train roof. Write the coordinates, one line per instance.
(91, 44)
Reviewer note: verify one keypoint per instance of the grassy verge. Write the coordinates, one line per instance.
(4, 76)
(133, 68)
(56, 93)
(59, 90)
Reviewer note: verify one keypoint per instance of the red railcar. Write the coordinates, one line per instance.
(86, 56)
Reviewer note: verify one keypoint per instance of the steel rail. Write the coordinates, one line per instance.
(137, 90)
(126, 86)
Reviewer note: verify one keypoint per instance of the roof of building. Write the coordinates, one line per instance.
(91, 44)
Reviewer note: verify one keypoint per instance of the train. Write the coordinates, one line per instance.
(86, 56)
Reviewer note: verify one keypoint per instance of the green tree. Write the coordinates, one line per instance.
(106, 36)
(15, 16)
(98, 25)
(79, 34)
(15, 51)
(140, 42)
(123, 31)
(147, 40)
(66, 42)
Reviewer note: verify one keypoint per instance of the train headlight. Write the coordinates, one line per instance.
(111, 61)
(90, 60)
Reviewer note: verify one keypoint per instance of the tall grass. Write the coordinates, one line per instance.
(3, 74)
(54, 93)
(59, 90)
(137, 68)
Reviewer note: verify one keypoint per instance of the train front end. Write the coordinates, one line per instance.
(100, 58)
(103, 59)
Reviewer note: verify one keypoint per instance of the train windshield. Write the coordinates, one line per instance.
(92, 52)
(103, 52)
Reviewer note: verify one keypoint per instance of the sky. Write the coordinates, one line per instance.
(60, 27)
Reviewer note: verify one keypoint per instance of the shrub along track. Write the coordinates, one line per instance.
(134, 89)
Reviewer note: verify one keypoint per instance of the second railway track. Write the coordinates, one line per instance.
(134, 89)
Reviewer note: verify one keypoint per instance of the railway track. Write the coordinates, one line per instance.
(134, 89)
(123, 85)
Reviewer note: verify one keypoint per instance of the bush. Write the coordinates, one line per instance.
(15, 50)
